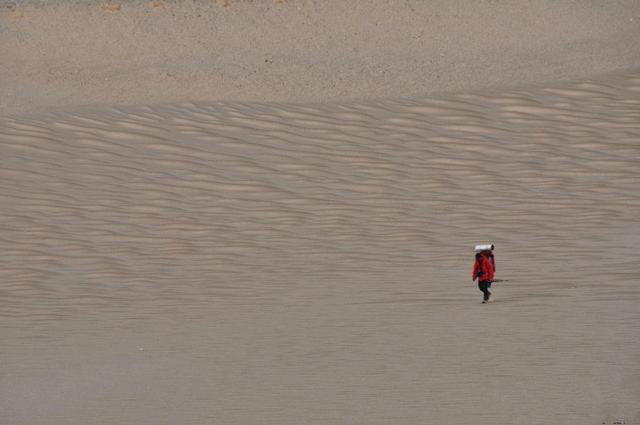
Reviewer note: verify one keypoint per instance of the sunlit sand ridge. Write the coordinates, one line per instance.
(270, 263)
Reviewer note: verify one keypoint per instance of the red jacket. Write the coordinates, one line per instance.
(483, 267)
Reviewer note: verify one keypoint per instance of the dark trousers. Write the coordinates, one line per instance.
(484, 286)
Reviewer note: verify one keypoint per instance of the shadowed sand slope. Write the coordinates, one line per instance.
(267, 263)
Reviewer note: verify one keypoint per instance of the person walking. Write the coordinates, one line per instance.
(483, 271)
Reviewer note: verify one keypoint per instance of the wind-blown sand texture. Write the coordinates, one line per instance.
(287, 263)
(310, 264)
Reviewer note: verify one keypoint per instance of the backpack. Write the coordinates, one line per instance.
(486, 247)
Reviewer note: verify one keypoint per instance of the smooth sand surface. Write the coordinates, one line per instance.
(241, 262)
(66, 53)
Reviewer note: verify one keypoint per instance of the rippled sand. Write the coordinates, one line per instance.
(239, 263)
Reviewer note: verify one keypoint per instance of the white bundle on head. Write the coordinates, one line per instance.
(485, 247)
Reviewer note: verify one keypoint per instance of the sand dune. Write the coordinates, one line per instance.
(272, 263)
(68, 53)
(263, 212)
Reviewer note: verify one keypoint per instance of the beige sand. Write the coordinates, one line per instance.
(289, 263)
(87, 52)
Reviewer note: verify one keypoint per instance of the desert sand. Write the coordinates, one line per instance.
(265, 212)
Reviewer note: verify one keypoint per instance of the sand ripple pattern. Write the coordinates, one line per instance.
(190, 205)
(239, 263)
